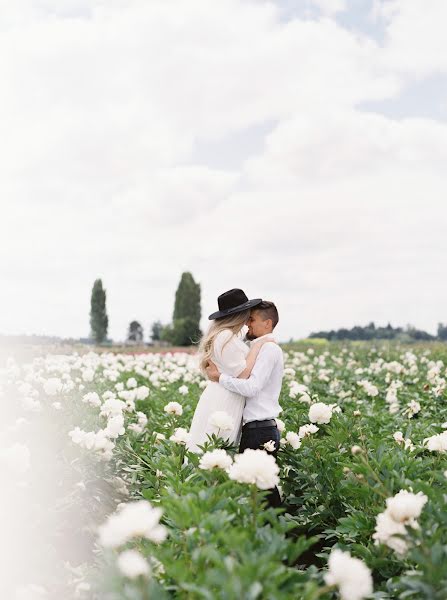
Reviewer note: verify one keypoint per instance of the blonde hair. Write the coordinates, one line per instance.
(233, 322)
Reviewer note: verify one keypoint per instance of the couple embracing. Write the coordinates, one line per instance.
(245, 382)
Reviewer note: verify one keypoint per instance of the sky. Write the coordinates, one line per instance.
(295, 149)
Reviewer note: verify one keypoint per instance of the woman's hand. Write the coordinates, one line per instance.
(212, 372)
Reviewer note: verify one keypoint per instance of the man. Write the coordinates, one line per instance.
(261, 389)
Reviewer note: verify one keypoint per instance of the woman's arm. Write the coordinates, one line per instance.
(252, 356)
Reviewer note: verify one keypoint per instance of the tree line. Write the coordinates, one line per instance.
(184, 329)
(371, 332)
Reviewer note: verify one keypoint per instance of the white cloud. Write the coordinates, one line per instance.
(330, 7)
(338, 217)
(415, 35)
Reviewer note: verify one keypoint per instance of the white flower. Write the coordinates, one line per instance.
(16, 458)
(351, 576)
(173, 408)
(306, 430)
(112, 407)
(280, 425)
(132, 564)
(356, 450)
(320, 413)
(386, 530)
(159, 436)
(221, 420)
(356, 413)
(132, 383)
(257, 467)
(370, 389)
(88, 375)
(269, 446)
(293, 439)
(305, 398)
(142, 419)
(142, 392)
(52, 386)
(134, 520)
(437, 443)
(183, 390)
(398, 437)
(406, 506)
(115, 427)
(412, 409)
(92, 398)
(215, 459)
(180, 436)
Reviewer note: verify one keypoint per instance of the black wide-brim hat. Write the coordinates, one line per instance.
(232, 302)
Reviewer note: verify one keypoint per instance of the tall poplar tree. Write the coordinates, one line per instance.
(99, 321)
(187, 312)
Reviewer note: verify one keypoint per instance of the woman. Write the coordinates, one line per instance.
(223, 345)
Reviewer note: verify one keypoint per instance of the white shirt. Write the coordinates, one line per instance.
(263, 387)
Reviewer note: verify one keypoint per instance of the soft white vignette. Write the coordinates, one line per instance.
(36, 547)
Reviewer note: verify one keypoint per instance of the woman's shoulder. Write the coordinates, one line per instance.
(224, 336)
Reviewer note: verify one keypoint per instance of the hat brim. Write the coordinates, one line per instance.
(231, 311)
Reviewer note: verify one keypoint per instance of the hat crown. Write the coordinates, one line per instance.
(231, 299)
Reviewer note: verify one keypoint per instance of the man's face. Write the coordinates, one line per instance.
(257, 326)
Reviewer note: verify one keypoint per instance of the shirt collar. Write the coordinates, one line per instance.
(262, 337)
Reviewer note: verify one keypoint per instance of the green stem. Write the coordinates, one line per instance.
(254, 504)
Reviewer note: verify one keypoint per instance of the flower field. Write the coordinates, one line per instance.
(128, 513)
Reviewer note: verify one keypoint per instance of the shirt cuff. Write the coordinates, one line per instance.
(222, 378)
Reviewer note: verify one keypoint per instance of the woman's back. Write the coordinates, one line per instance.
(228, 353)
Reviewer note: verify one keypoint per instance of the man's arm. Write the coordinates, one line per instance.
(259, 376)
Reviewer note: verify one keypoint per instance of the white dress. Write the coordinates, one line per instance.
(229, 354)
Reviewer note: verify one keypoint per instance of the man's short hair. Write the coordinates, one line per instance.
(268, 311)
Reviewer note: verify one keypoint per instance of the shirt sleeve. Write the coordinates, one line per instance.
(260, 374)
(229, 352)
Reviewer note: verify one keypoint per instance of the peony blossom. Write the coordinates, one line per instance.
(134, 520)
(256, 467)
(180, 436)
(386, 531)
(269, 446)
(132, 564)
(173, 408)
(52, 386)
(320, 413)
(307, 430)
(405, 506)
(215, 459)
(280, 425)
(293, 439)
(352, 577)
(92, 398)
(437, 443)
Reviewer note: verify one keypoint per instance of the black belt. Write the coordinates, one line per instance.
(255, 424)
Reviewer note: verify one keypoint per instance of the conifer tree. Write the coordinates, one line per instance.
(135, 332)
(187, 312)
(99, 321)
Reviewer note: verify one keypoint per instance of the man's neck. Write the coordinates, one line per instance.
(269, 334)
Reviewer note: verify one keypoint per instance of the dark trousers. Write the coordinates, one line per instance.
(255, 439)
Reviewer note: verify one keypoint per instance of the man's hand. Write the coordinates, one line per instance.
(212, 371)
